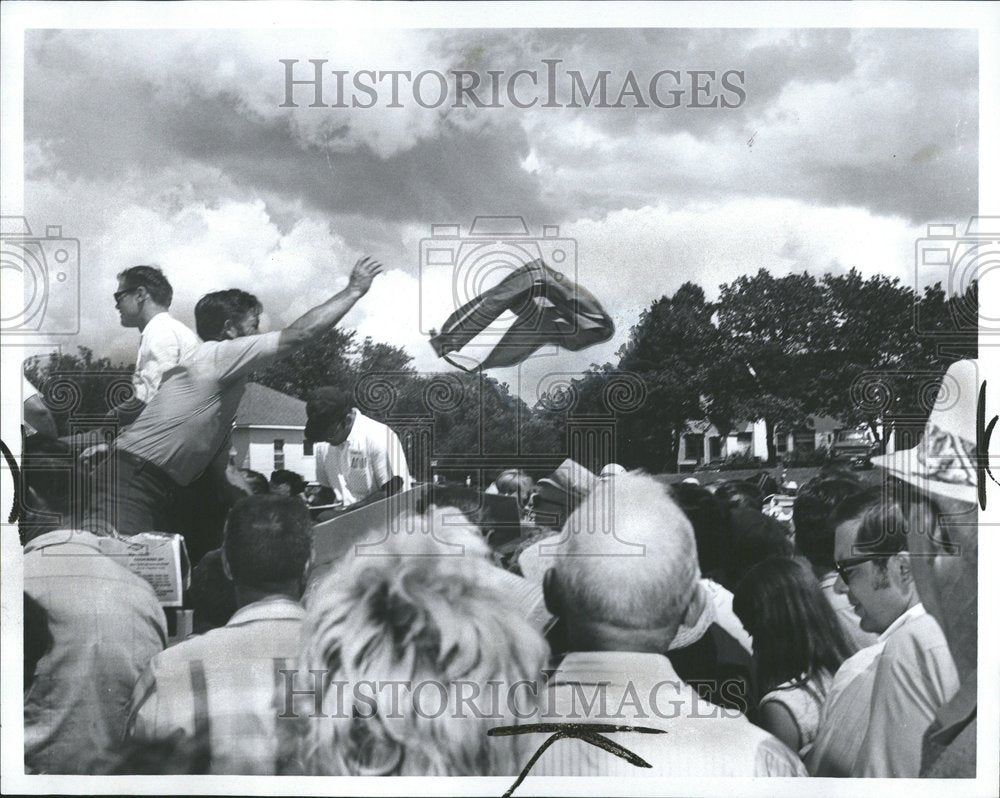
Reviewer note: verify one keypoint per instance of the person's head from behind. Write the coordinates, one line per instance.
(143, 291)
(287, 483)
(710, 520)
(739, 493)
(255, 482)
(514, 482)
(266, 546)
(212, 595)
(812, 516)
(626, 585)
(330, 415)
(795, 631)
(47, 487)
(754, 538)
(417, 615)
(872, 558)
(226, 315)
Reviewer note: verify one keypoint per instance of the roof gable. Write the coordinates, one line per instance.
(265, 407)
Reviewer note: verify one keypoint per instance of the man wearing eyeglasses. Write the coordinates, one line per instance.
(882, 711)
(143, 300)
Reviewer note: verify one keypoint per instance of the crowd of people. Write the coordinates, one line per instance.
(841, 643)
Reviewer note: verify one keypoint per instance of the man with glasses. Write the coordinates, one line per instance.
(143, 300)
(883, 699)
(183, 434)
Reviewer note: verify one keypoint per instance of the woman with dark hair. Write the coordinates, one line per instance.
(797, 646)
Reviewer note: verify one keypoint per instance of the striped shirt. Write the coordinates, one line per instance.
(224, 688)
(642, 689)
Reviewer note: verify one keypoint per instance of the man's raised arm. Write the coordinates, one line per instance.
(324, 316)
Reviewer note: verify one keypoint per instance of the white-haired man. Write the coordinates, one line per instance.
(622, 591)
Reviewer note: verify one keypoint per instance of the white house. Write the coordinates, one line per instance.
(269, 433)
(706, 444)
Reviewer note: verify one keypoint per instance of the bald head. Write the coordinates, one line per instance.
(627, 562)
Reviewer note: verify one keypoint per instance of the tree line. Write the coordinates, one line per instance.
(866, 351)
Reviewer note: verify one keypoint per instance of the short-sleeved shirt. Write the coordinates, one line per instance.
(362, 464)
(225, 688)
(105, 624)
(164, 342)
(190, 418)
(641, 689)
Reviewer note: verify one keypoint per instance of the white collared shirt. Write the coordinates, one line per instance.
(914, 676)
(640, 689)
(163, 343)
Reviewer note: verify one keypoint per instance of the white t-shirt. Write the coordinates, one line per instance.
(361, 465)
(164, 342)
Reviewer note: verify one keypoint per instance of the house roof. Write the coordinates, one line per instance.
(265, 407)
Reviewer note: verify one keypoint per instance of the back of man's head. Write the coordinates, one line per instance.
(326, 406)
(710, 519)
(812, 516)
(282, 476)
(628, 560)
(153, 280)
(268, 542)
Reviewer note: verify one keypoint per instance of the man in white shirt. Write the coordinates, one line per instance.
(359, 458)
(185, 428)
(914, 673)
(143, 300)
(619, 610)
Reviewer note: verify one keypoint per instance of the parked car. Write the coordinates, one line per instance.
(854, 447)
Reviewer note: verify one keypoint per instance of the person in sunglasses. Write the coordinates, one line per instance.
(143, 301)
(885, 696)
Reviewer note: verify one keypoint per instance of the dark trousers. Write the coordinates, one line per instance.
(132, 495)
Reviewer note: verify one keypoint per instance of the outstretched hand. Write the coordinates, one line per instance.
(365, 270)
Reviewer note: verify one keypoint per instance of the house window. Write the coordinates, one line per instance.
(307, 448)
(804, 441)
(694, 446)
(279, 453)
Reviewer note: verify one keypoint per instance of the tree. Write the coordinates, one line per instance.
(325, 360)
(770, 330)
(668, 350)
(79, 389)
(382, 358)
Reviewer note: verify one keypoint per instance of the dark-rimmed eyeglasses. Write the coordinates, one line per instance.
(120, 295)
(846, 567)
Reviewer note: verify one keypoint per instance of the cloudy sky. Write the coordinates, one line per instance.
(170, 147)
